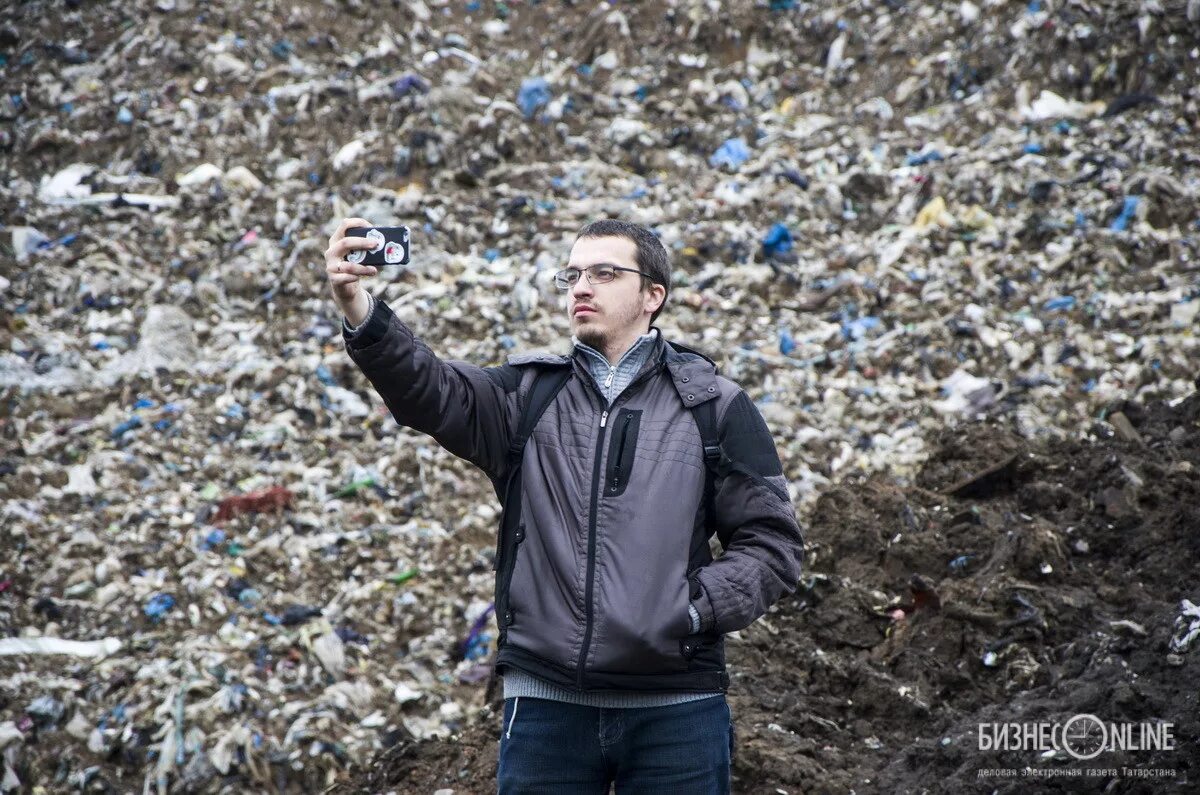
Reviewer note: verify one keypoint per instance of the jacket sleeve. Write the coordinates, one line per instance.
(762, 542)
(467, 409)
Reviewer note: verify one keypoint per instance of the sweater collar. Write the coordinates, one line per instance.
(649, 338)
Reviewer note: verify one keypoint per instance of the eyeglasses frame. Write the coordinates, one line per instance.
(585, 271)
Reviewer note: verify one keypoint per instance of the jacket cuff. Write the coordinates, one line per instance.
(370, 310)
(694, 615)
(371, 330)
(700, 603)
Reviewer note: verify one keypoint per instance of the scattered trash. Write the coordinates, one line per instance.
(534, 93)
(210, 518)
(275, 498)
(403, 577)
(1187, 627)
(778, 240)
(73, 648)
(1128, 211)
(158, 606)
(731, 154)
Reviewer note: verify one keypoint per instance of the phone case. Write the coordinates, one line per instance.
(392, 248)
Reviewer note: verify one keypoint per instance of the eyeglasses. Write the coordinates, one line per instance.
(597, 274)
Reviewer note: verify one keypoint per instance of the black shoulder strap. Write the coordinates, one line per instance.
(710, 437)
(546, 385)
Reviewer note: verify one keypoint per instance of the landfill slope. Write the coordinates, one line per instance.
(1076, 555)
(950, 249)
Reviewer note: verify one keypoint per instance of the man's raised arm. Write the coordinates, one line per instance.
(467, 409)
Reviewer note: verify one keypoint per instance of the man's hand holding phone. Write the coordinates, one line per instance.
(344, 275)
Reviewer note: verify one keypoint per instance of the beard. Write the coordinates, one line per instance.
(616, 321)
(592, 336)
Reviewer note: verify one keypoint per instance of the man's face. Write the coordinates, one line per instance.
(615, 307)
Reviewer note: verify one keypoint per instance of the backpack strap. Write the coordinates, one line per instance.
(546, 385)
(710, 437)
(695, 379)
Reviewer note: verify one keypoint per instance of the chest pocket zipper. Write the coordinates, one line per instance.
(621, 453)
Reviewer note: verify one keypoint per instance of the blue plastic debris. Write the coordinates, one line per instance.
(491, 255)
(733, 153)
(1127, 212)
(786, 343)
(777, 241)
(921, 158)
(795, 177)
(959, 564)
(215, 537)
(124, 116)
(1032, 148)
(857, 329)
(478, 646)
(1062, 303)
(126, 426)
(409, 84)
(534, 93)
(158, 605)
(476, 643)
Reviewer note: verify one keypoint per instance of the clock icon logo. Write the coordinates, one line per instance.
(1084, 736)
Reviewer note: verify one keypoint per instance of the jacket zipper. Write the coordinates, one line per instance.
(591, 554)
(616, 465)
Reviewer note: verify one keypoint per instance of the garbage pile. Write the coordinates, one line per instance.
(227, 567)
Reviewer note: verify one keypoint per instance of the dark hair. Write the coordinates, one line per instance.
(651, 258)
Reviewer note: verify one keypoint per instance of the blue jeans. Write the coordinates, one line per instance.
(555, 747)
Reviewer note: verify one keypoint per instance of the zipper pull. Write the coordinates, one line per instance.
(608, 381)
(603, 417)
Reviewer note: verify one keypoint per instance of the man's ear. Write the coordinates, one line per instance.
(657, 289)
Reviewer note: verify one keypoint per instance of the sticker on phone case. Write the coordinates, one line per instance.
(377, 236)
(393, 252)
(357, 255)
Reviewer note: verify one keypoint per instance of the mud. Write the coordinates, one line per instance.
(831, 693)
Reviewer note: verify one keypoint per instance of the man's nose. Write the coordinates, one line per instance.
(582, 287)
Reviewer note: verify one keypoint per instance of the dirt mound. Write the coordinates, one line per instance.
(1011, 582)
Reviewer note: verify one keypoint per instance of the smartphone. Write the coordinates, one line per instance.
(391, 245)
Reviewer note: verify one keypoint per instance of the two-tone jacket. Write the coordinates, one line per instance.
(612, 538)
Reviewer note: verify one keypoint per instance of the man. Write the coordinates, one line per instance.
(610, 606)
